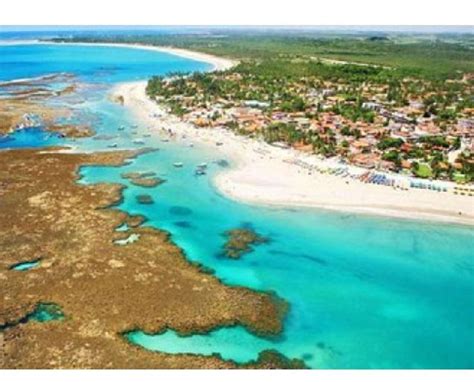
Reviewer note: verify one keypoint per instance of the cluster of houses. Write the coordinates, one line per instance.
(356, 141)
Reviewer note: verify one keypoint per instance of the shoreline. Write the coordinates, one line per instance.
(218, 63)
(264, 174)
(104, 266)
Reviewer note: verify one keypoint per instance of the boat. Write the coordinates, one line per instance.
(178, 164)
(201, 169)
(112, 145)
(139, 141)
(121, 127)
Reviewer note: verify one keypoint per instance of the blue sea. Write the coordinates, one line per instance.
(364, 292)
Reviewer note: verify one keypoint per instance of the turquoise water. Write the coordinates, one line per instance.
(29, 137)
(45, 312)
(26, 265)
(364, 292)
(92, 64)
(97, 68)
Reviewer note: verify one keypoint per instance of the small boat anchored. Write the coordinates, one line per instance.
(178, 164)
(201, 169)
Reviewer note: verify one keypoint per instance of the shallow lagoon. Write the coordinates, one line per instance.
(29, 137)
(364, 291)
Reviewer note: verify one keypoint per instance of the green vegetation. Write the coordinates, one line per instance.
(392, 156)
(423, 171)
(284, 132)
(437, 58)
(466, 161)
(388, 142)
(354, 113)
(377, 101)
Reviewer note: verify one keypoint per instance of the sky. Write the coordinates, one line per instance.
(237, 12)
(349, 28)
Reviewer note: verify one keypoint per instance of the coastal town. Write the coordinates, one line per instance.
(236, 199)
(362, 115)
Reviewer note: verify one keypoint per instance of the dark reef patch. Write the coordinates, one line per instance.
(307, 357)
(315, 259)
(241, 241)
(273, 359)
(143, 179)
(329, 349)
(183, 224)
(222, 163)
(180, 211)
(144, 199)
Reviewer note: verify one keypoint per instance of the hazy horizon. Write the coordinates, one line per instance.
(422, 29)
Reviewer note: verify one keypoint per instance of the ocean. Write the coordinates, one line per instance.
(364, 292)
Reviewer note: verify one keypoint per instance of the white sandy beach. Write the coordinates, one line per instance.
(266, 175)
(261, 174)
(218, 63)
